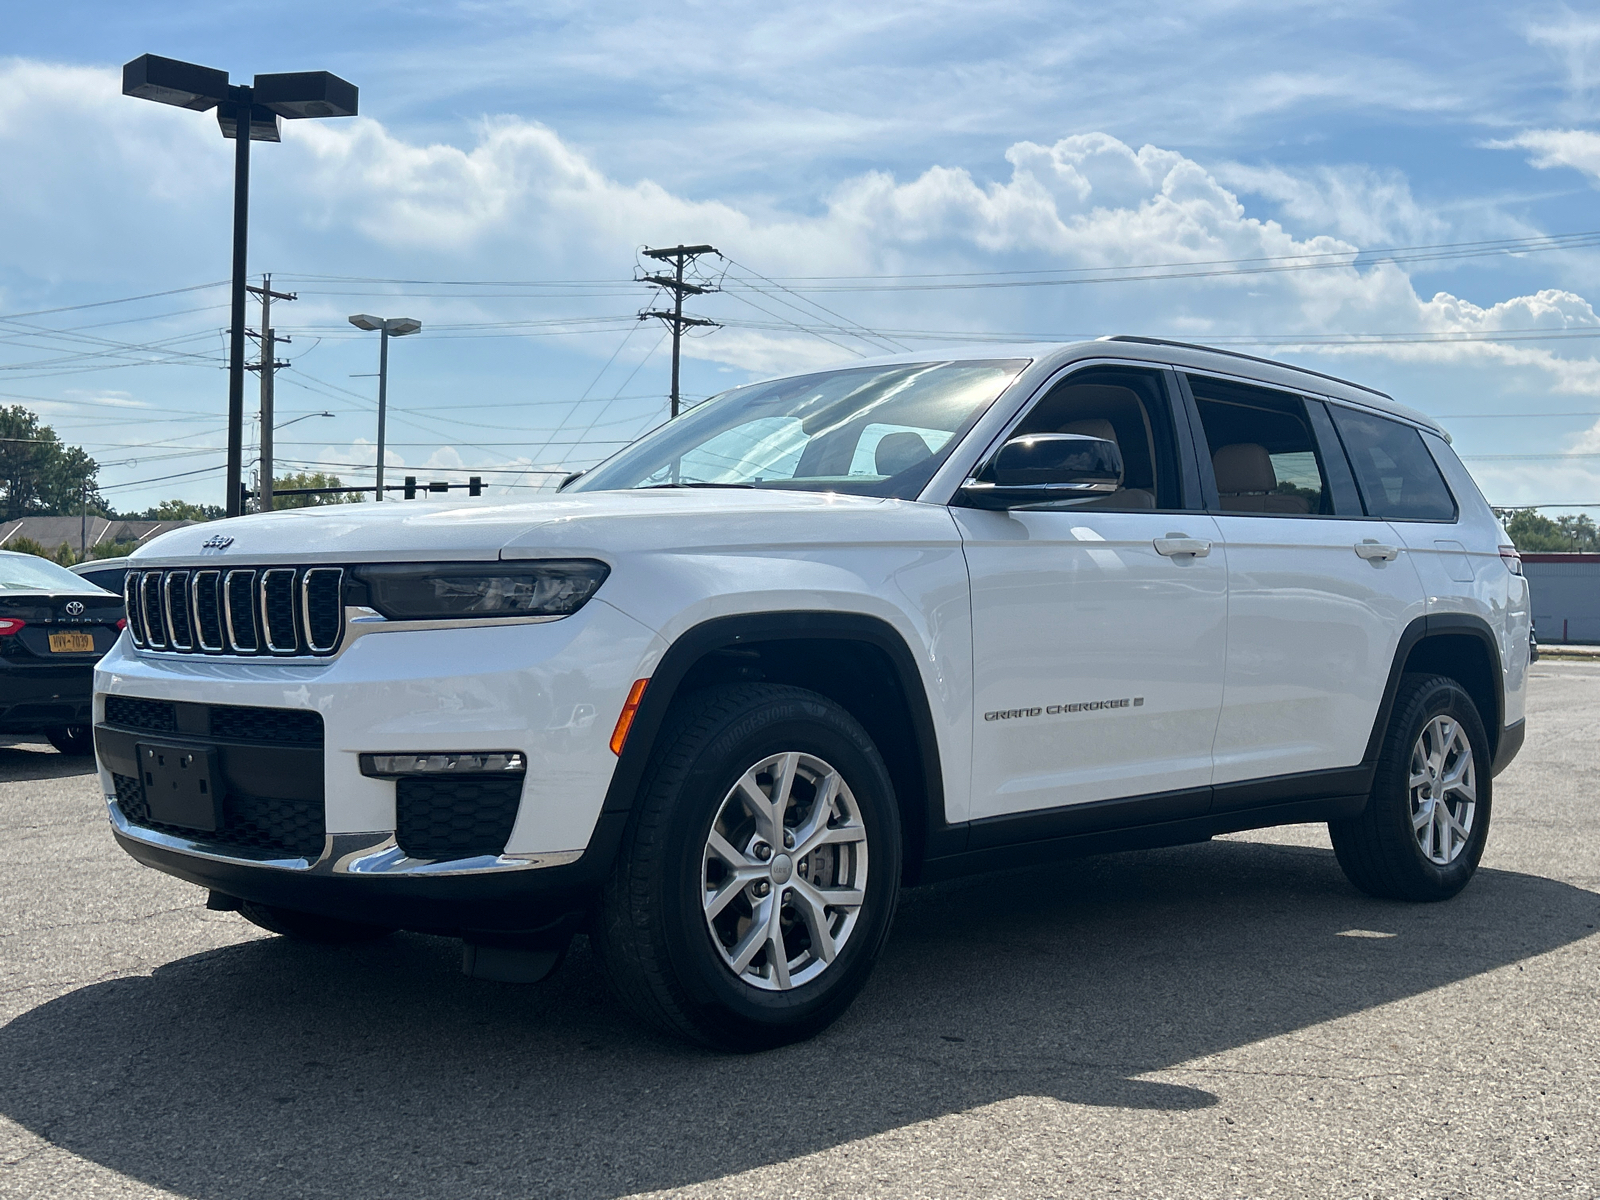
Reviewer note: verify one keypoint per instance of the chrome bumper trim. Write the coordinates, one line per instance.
(342, 854)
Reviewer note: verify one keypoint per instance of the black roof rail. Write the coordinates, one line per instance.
(1271, 362)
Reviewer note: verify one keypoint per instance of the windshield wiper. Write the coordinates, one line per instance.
(653, 486)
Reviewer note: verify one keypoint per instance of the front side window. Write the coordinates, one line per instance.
(1128, 407)
(1398, 478)
(865, 431)
(1263, 450)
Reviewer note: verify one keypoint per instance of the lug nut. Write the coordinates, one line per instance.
(762, 887)
(788, 839)
(762, 851)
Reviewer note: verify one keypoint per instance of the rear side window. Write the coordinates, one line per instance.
(1398, 478)
(1264, 451)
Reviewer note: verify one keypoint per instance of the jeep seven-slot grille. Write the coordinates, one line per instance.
(275, 611)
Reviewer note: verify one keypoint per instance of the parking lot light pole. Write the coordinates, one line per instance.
(246, 114)
(387, 328)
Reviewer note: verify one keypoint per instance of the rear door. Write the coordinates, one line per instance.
(1097, 645)
(1318, 592)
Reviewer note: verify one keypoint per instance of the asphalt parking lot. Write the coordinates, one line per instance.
(1221, 1020)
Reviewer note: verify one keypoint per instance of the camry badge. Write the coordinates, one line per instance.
(216, 542)
(74, 608)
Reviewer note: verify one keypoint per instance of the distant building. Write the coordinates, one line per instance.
(1566, 596)
(50, 532)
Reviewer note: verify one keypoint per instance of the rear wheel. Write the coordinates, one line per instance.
(760, 871)
(311, 927)
(76, 740)
(1425, 824)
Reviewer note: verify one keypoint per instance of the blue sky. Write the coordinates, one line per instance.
(511, 158)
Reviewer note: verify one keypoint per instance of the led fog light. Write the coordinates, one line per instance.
(480, 762)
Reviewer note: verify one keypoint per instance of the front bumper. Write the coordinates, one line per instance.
(550, 691)
(357, 879)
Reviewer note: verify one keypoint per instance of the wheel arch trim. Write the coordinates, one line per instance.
(720, 633)
(1436, 626)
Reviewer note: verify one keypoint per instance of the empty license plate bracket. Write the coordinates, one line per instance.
(181, 785)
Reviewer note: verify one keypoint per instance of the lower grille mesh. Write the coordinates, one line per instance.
(455, 818)
(294, 828)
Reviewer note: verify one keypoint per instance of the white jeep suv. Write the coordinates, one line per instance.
(821, 637)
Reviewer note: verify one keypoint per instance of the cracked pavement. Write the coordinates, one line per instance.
(1221, 1020)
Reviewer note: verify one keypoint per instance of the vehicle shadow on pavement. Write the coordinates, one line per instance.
(42, 761)
(269, 1068)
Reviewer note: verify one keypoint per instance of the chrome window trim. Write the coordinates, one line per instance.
(144, 609)
(171, 578)
(266, 620)
(197, 627)
(305, 608)
(227, 608)
(133, 607)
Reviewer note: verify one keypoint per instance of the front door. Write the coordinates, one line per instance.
(1099, 630)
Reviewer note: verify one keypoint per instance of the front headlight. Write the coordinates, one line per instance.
(465, 591)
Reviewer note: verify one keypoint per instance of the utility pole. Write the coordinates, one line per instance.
(266, 366)
(680, 257)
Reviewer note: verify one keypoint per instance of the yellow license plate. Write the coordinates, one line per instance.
(72, 643)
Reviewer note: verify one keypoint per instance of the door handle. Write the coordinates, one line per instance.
(1370, 549)
(1175, 544)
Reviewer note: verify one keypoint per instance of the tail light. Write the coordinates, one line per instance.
(122, 623)
(1512, 560)
(10, 625)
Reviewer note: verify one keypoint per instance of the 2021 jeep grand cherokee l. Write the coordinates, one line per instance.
(727, 692)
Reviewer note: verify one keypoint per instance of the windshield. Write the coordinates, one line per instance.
(30, 573)
(868, 431)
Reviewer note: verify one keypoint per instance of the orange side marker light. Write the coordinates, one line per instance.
(630, 709)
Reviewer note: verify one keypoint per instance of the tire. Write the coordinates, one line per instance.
(676, 967)
(310, 927)
(74, 740)
(1422, 843)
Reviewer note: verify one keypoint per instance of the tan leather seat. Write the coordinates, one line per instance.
(1246, 481)
(1126, 498)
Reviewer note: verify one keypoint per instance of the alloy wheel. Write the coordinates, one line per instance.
(1444, 793)
(784, 871)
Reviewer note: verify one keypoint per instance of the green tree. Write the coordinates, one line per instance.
(181, 510)
(314, 480)
(1538, 534)
(113, 549)
(26, 545)
(39, 475)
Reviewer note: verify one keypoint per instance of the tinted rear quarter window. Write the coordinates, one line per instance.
(1398, 478)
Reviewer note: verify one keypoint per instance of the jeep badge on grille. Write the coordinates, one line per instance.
(216, 542)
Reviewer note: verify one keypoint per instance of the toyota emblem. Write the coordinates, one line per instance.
(74, 608)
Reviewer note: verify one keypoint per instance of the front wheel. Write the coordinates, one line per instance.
(1426, 821)
(760, 871)
(74, 740)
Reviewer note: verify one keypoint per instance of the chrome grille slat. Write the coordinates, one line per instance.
(247, 611)
(155, 629)
(175, 607)
(320, 591)
(132, 606)
(277, 624)
(205, 591)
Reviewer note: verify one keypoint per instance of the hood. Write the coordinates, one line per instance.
(595, 523)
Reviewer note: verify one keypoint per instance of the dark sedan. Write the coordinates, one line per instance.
(54, 626)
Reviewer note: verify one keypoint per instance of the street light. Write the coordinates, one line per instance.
(387, 328)
(247, 114)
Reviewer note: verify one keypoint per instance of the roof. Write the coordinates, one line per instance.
(1051, 356)
(50, 532)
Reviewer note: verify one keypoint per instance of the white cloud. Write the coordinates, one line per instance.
(1578, 149)
(143, 191)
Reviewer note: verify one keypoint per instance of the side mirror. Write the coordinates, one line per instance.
(1045, 467)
